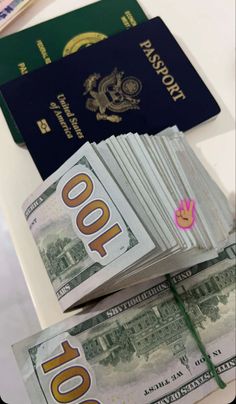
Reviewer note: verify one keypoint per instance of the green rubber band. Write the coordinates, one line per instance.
(195, 334)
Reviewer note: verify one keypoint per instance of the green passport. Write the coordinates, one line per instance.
(44, 43)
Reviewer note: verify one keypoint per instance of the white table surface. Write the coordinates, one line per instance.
(205, 30)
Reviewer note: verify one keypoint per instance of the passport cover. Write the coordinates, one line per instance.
(136, 81)
(30, 49)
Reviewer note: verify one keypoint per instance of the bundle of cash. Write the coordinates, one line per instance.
(108, 218)
(10, 9)
(134, 347)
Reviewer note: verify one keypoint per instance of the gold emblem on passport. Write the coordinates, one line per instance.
(114, 93)
(81, 41)
(43, 126)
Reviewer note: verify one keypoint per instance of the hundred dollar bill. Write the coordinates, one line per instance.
(135, 348)
(85, 229)
(10, 9)
(105, 220)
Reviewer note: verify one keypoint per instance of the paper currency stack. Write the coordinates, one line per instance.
(135, 348)
(109, 217)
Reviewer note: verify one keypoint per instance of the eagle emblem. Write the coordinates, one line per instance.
(114, 93)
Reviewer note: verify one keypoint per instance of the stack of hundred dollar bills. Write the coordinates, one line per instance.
(134, 346)
(106, 219)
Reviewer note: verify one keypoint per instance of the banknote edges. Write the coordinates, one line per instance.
(219, 275)
(11, 9)
(159, 288)
(107, 215)
(73, 265)
(195, 383)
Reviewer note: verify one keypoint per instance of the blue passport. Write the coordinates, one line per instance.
(136, 81)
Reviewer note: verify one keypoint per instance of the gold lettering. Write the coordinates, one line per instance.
(161, 69)
(78, 131)
(154, 59)
(149, 52)
(131, 18)
(125, 21)
(61, 97)
(43, 51)
(181, 96)
(147, 44)
(169, 78)
(159, 64)
(69, 114)
(23, 69)
(63, 124)
(173, 89)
